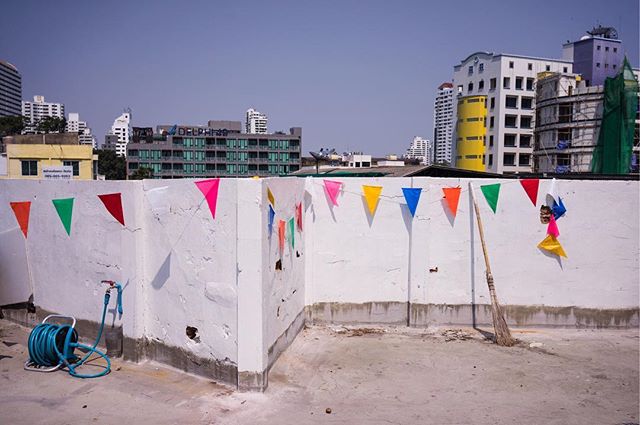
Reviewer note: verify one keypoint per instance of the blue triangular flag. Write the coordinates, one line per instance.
(412, 196)
(272, 215)
(558, 208)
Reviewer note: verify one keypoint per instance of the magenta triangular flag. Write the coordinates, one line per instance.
(332, 188)
(113, 203)
(209, 189)
(531, 187)
(552, 228)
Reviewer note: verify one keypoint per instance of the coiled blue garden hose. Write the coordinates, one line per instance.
(52, 345)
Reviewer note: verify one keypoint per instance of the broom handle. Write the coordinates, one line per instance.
(484, 246)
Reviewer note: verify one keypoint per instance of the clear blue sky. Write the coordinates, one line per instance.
(357, 75)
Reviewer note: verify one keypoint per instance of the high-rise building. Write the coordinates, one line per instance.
(442, 123)
(420, 149)
(256, 122)
(216, 150)
(39, 109)
(122, 129)
(10, 90)
(74, 125)
(499, 140)
(596, 56)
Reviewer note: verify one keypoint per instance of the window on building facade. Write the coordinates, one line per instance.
(530, 66)
(511, 101)
(492, 84)
(606, 65)
(525, 140)
(492, 102)
(526, 102)
(597, 64)
(598, 47)
(525, 121)
(547, 68)
(490, 141)
(29, 168)
(470, 70)
(510, 64)
(510, 140)
(481, 67)
(460, 89)
(615, 49)
(509, 159)
(470, 88)
(75, 166)
(491, 122)
(565, 69)
(506, 82)
(481, 85)
(530, 84)
(524, 159)
(518, 83)
(510, 121)
(606, 49)
(490, 160)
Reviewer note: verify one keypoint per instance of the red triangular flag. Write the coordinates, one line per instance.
(531, 187)
(21, 211)
(113, 204)
(299, 215)
(452, 196)
(209, 189)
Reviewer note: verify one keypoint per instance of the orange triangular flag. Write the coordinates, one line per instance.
(452, 196)
(21, 211)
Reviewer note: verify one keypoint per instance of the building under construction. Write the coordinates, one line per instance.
(569, 120)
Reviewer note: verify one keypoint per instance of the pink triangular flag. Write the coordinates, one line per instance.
(209, 189)
(552, 228)
(332, 188)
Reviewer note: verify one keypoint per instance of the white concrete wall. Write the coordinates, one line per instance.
(355, 262)
(190, 267)
(65, 271)
(283, 290)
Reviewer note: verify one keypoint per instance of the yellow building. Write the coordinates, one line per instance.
(25, 157)
(471, 132)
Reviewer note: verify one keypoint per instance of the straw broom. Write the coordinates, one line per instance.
(500, 327)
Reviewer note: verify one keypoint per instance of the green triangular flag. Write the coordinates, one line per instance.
(64, 208)
(491, 192)
(292, 230)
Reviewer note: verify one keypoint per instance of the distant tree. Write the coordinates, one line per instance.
(12, 125)
(51, 125)
(110, 165)
(141, 173)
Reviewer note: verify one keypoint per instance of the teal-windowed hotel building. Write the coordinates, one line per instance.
(219, 149)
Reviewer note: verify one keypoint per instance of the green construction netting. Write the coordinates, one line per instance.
(612, 154)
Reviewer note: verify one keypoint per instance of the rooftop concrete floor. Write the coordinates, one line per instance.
(375, 376)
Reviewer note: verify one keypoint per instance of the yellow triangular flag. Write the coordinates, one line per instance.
(371, 195)
(270, 197)
(552, 245)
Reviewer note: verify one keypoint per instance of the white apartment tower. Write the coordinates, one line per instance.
(74, 125)
(420, 149)
(122, 129)
(39, 109)
(506, 83)
(442, 123)
(256, 122)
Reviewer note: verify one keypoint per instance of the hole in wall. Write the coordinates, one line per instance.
(297, 254)
(279, 265)
(192, 333)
